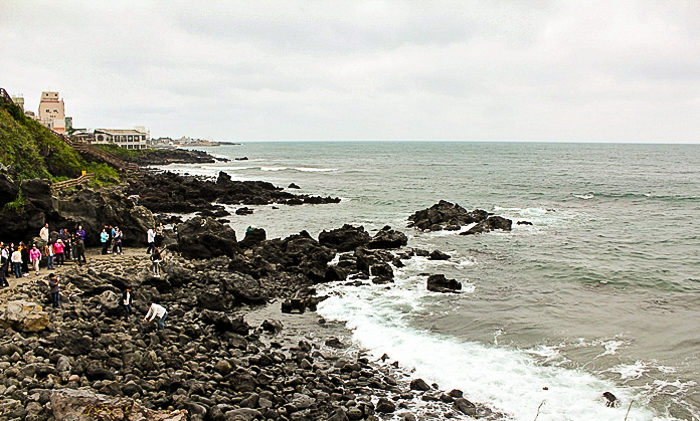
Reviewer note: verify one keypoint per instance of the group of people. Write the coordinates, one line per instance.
(111, 240)
(154, 309)
(57, 248)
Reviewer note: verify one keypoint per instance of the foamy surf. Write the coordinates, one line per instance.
(508, 380)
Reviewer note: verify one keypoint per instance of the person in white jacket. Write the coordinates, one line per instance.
(158, 311)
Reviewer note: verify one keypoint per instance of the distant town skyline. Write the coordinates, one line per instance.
(596, 71)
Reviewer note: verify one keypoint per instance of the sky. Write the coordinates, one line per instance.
(496, 70)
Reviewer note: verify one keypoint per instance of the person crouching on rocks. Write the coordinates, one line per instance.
(54, 281)
(35, 257)
(158, 311)
(156, 258)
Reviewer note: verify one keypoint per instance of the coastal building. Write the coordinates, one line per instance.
(125, 138)
(52, 112)
(19, 101)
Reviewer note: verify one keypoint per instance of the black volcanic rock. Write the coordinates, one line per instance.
(439, 283)
(253, 237)
(344, 239)
(204, 238)
(449, 216)
(490, 224)
(387, 238)
(167, 192)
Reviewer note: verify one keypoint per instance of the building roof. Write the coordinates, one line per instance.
(120, 131)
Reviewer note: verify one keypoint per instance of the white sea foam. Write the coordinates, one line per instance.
(630, 371)
(506, 379)
(273, 168)
(584, 196)
(611, 347)
(303, 169)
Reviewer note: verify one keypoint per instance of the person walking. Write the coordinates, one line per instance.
(151, 238)
(5, 259)
(3, 280)
(159, 311)
(104, 239)
(156, 259)
(80, 251)
(48, 252)
(54, 282)
(127, 301)
(17, 262)
(58, 249)
(24, 250)
(44, 232)
(35, 257)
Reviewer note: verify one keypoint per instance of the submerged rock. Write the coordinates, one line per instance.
(439, 283)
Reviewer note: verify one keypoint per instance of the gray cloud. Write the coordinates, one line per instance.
(448, 70)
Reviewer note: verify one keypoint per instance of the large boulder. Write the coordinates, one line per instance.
(95, 208)
(344, 239)
(439, 283)
(445, 215)
(388, 238)
(298, 253)
(253, 237)
(204, 238)
(490, 224)
(23, 316)
(73, 404)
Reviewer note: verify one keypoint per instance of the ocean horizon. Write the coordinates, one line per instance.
(598, 295)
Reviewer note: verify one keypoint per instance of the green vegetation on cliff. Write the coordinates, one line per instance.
(32, 151)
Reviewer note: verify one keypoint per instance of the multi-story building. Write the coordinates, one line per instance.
(125, 138)
(52, 112)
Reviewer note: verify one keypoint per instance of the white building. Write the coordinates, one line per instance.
(125, 138)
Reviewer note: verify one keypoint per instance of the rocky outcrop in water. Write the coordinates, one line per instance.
(439, 283)
(452, 217)
(344, 239)
(173, 156)
(167, 192)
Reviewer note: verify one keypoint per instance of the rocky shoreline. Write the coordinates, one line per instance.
(217, 359)
(210, 363)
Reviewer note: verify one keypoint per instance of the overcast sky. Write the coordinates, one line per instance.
(600, 71)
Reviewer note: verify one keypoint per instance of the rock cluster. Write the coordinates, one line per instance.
(173, 156)
(167, 192)
(209, 363)
(91, 208)
(452, 217)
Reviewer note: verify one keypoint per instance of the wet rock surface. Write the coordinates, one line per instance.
(452, 217)
(167, 192)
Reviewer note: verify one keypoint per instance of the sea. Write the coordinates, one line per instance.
(600, 294)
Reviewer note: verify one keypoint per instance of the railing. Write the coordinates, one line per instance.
(74, 182)
(5, 96)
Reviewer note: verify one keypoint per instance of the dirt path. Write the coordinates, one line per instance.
(92, 255)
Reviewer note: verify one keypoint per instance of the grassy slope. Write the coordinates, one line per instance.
(32, 151)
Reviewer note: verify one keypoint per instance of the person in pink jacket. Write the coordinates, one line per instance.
(58, 252)
(35, 257)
